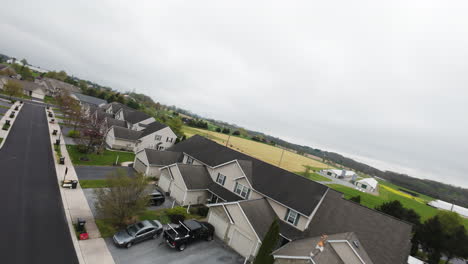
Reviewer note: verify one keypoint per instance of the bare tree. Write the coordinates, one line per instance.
(124, 198)
(93, 132)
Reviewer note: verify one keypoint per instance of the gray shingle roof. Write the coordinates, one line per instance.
(133, 116)
(89, 99)
(115, 122)
(163, 158)
(288, 188)
(223, 193)
(125, 133)
(334, 252)
(195, 176)
(116, 106)
(385, 238)
(151, 128)
(27, 85)
(260, 215)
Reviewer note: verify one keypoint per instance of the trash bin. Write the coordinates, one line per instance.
(62, 160)
(7, 122)
(50, 114)
(74, 183)
(80, 225)
(52, 120)
(54, 132)
(57, 142)
(48, 107)
(21, 102)
(16, 108)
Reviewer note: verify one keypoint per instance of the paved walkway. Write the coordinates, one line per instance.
(32, 221)
(94, 250)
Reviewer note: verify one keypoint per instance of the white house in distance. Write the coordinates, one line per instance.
(133, 130)
(368, 184)
(245, 195)
(340, 174)
(29, 88)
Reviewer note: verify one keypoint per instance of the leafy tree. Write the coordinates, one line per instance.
(269, 243)
(396, 209)
(176, 125)
(218, 129)
(450, 221)
(226, 130)
(243, 132)
(125, 198)
(236, 133)
(13, 88)
(431, 236)
(133, 104)
(456, 243)
(24, 62)
(356, 199)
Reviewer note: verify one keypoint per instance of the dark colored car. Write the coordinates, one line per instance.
(187, 232)
(138, 232)
(156, 198)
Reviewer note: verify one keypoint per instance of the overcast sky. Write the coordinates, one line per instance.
(385, 82)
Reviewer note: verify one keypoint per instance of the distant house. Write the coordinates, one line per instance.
(369, 184)
(88, 100)
(340, 174)
(54, 86)
(29, 88)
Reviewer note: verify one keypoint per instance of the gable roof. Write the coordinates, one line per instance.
(333, 252)
(54, 84)
(223, 193)
(116, 106)
(125, 133)
(292, 190)
(134, 116)
(260, 215)
(26, 85)
(386, 239)
(195, 176)
(89, 99)
(163, 158)
(369, 181)
(151, 128)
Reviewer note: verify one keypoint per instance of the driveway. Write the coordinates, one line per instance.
(100, 172)
(156, 251)
(33, 220)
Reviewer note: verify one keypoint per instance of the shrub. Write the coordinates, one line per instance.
(218, 129)
(74, 133)
(82, 148)
(177, 214)
(226, 130)
(236, 133)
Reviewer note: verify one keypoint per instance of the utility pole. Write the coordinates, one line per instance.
(281, 159)
(228, 140)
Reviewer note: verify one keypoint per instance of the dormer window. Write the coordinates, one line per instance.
(221, 179)
(292, 217)
(241, 190)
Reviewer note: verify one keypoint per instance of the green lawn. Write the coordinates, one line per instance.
(49, 100)
(314, 176)
(85, 184)
(105, 159)
(1, 139)
(371, 201)
(6, 107)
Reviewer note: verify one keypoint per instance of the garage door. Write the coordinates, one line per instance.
(220, 224)
(164, 182)
(139, 166)
(241, 243)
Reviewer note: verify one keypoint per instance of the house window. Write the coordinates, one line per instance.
(189, 160)
(168, 139)
(242, 190)
(158, 137)
(292, 217)
(221, 179)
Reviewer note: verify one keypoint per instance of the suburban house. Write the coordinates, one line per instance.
(368, 184)
(54, 87)
(150, 161)
(29, 88)
(136, 120)
(246, 195)
(340, 174)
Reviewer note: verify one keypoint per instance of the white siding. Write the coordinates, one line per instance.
(196, 197)
(149, 141)
(164, 180)
(241, 237)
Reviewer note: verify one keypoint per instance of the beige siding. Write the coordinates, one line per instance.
(241, 232)
(140, 167)
(164, 180)
(218, 218)
(196, 197)
(177, 188)
(280, 211)
(232, 171)
(110, 137)
(154, 171)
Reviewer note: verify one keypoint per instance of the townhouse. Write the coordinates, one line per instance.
(246, 195)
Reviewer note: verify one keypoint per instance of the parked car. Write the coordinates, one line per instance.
(138, 232)
(156, 198)
(187, 232)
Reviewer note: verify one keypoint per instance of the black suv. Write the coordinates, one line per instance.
(156, 198)
(138, 232)
(187, 232)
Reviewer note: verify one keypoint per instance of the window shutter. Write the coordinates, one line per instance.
(224, 180)
(235, 187)
(248, 192)
(217, 178)
(287, 214)
(297, 219)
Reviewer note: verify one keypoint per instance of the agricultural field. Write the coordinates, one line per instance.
(291, 161)
(389, 192)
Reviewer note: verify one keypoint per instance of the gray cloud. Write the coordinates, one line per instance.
(384, 82)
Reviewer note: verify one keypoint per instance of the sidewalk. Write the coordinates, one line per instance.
(3, 133)
(91, 251)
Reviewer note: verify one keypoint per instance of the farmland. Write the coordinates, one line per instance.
(291, 161)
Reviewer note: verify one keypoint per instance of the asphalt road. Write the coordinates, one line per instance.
(33, 225)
